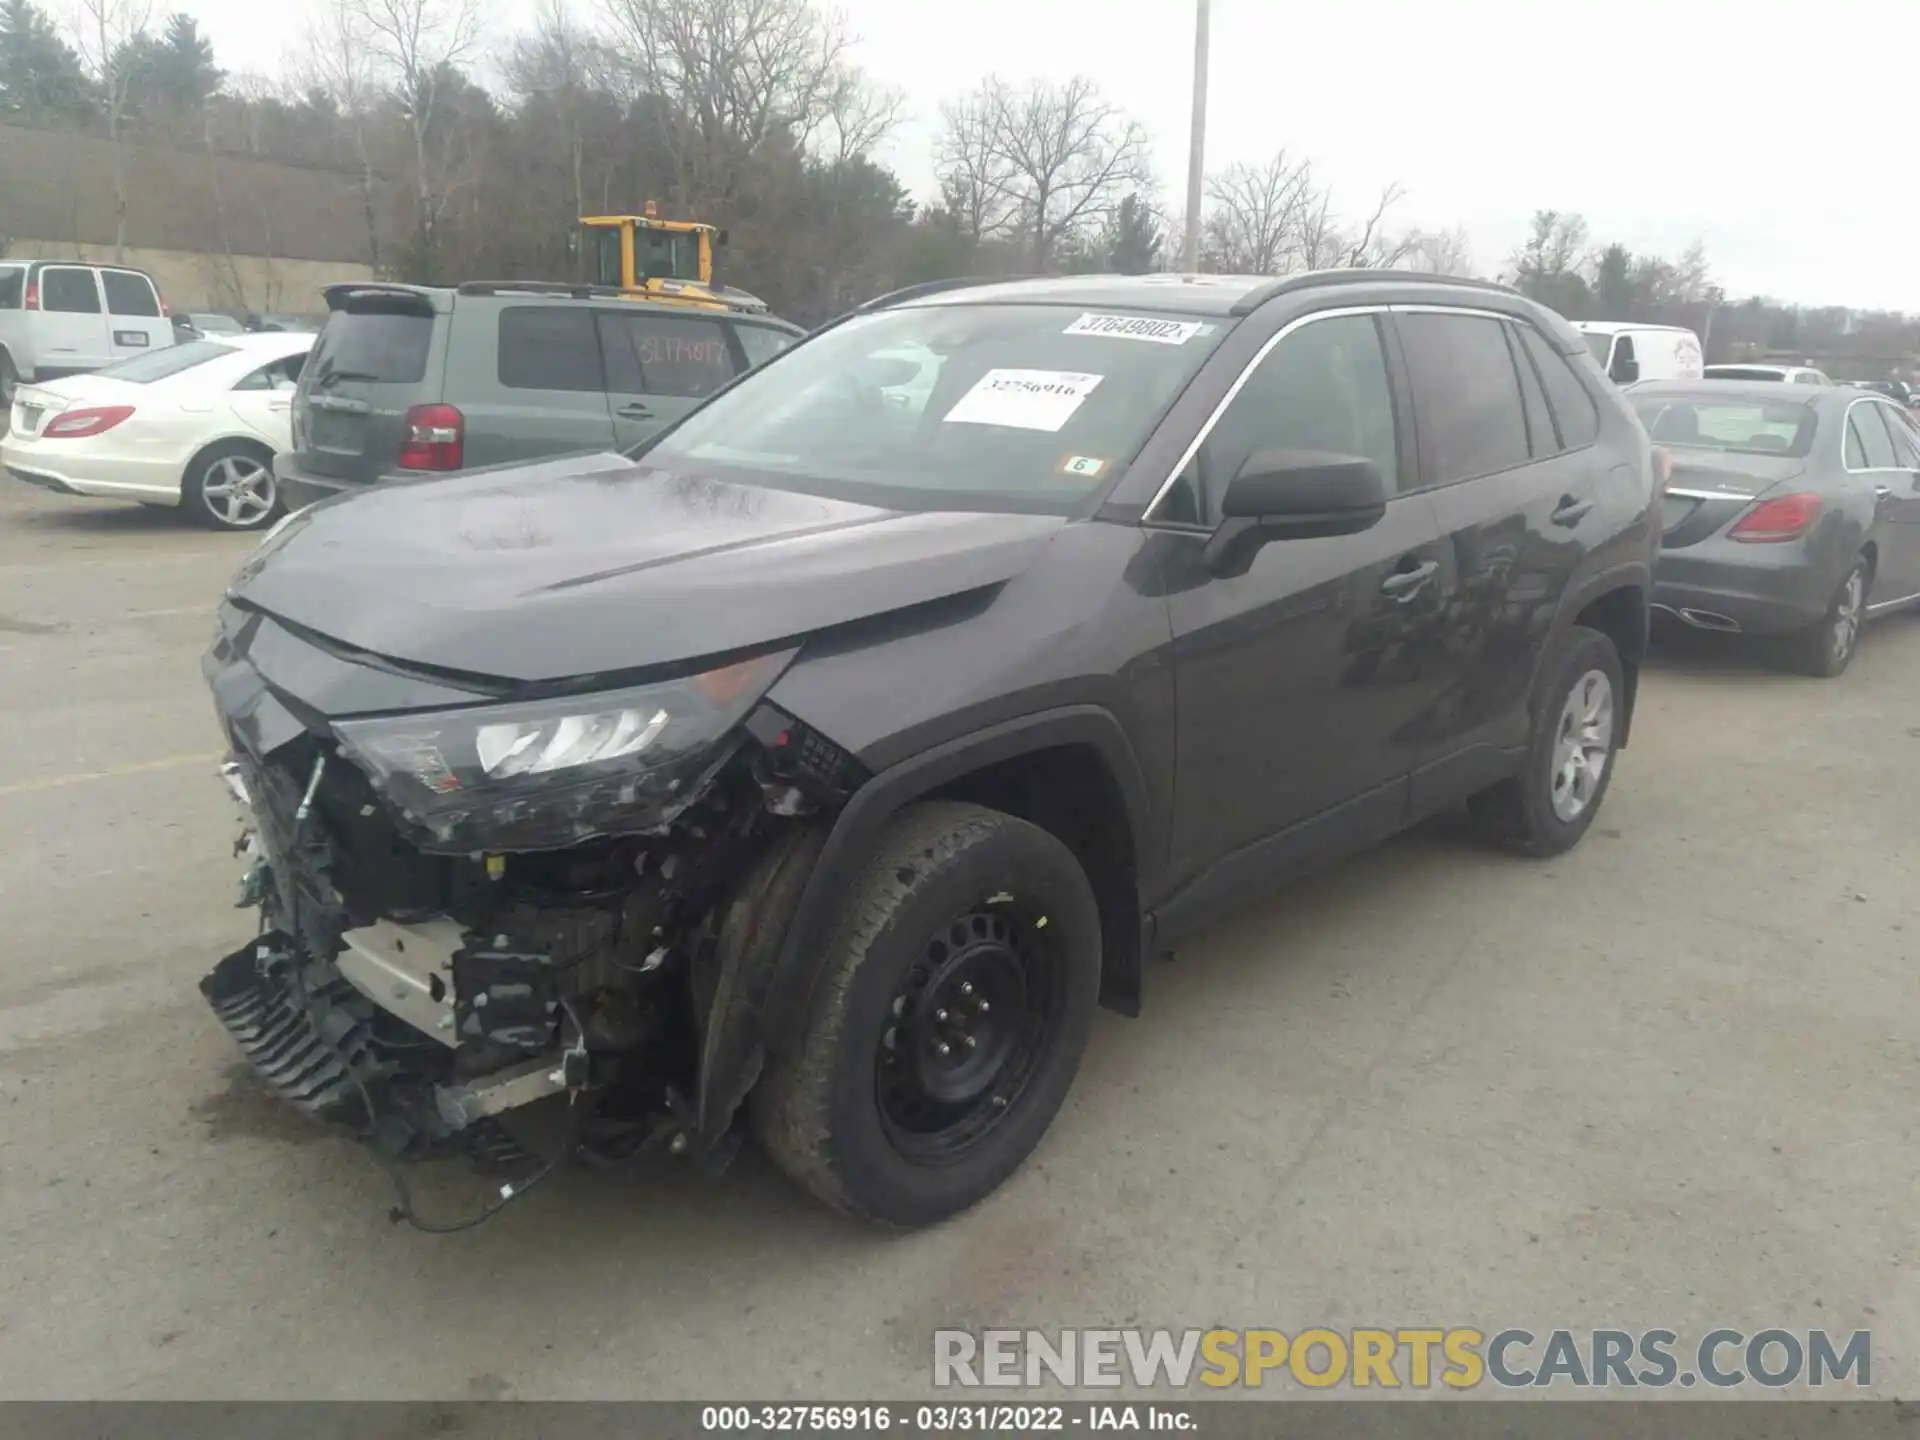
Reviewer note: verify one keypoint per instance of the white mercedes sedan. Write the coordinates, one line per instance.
(194, 425)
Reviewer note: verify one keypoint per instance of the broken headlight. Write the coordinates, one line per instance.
(542, 774)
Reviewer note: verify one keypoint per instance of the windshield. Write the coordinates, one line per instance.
(159, 364)
(1739, 427)
(995, 407)
(666, 254)
(1600, 345)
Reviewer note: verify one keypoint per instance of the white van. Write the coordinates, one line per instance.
(62, 318)
(1628, 352)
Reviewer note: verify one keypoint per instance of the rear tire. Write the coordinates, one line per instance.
(9, 382)
(230, 486)
(910, 1097)
(1825, 648)
(1547, 807)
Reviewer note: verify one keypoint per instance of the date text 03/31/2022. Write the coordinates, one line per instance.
(945, 1419)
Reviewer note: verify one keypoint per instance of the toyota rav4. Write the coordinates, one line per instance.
(818, 767)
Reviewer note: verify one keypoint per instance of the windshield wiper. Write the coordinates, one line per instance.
(330, 375)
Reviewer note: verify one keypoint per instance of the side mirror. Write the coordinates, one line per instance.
(1624, 370)
(1293, 495)
(721, 239)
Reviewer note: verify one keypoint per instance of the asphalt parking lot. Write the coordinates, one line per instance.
(1668, 1080)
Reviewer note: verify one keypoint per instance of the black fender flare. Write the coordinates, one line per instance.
(1627, 575)
(789, 993)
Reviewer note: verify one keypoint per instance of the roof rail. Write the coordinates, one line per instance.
(535, 287)
(1312, 279)
(738, 301)
(934, 287)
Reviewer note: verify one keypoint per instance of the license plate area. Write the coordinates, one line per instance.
(137, 339)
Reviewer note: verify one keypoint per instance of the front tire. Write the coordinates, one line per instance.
(1825, 648)
(946, 1026)
(230, 486)
(1547, 807)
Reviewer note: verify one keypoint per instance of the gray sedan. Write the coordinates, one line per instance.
(1791, 512)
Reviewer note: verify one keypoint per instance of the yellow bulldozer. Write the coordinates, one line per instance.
(654, 259)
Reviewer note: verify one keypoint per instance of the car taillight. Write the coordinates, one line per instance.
(1786, 517)
(436, 438)
(31, 301)
(79, 424)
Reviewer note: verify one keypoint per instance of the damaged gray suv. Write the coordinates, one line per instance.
(818, 768)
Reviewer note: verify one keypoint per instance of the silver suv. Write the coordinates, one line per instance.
(408, 379)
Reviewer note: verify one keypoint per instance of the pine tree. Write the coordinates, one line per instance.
(41, 79)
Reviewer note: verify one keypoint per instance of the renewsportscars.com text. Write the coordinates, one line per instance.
(1416, 1358)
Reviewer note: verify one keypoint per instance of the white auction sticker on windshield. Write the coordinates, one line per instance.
(1023, 399)
(1136, 327)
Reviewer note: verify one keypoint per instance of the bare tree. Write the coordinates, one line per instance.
(1440, 252)
(104, 36)
(417, 43)
(734, 74)
(1062, 157)
(860, 113)
(976, 178)
(1328, 244)
(1256, 216)
(335, 61)
(561, 61)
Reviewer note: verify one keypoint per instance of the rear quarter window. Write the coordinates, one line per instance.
(385, 347)
(762, 342)
(129, 293)
(1572, 403)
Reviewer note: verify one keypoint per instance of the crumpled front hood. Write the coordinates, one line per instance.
(592, 564)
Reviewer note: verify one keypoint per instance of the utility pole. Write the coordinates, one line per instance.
(1197, 141)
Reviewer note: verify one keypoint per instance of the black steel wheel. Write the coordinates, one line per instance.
(948, 1022)
(969, 1023)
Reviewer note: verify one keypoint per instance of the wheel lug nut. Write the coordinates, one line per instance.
(966, 987)
(940, 1015)
(982, 1008)
(971, 1042)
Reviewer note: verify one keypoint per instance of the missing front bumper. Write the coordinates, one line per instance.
(324, 1048)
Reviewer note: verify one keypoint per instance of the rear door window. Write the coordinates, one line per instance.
(1876, 444)
(671, 355)
(550, 347)
(1906, 444)
(1466, 396)
(69, 290)
(129, 293)
(386, 347)
(12, 283)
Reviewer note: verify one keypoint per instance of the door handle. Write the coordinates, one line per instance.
(1883, 491)
(634, 411)
(1403, 585)
(1570, 511)
(277, 405)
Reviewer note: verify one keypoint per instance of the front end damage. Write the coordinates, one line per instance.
(471, 910)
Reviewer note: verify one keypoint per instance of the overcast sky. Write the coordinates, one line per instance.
(1787, 140)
